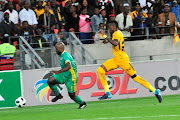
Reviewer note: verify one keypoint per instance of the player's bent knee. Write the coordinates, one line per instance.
(72, 96)
(100, 70)
(51, 81)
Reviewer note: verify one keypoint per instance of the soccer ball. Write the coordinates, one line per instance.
(20, 102)
(110, 81)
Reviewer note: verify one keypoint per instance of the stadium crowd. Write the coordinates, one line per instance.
(42, 19)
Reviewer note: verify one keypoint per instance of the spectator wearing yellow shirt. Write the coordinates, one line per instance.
(40, 9)
(134, 14)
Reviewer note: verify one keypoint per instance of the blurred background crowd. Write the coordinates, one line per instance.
(41, 21)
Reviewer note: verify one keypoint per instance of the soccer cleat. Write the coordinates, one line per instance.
(107, 95)
(81, 106)
(158, 95)
(56, 98)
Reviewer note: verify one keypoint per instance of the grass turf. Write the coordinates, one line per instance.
(125, 109)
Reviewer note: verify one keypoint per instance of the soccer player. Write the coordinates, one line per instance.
(121, 60)
(67, 75)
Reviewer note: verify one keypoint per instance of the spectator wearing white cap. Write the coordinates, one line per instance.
(125, 21)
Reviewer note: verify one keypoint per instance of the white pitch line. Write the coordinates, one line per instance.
(128, 117)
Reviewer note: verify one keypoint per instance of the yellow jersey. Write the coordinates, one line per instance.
(118, 51)
(134, 14)
(40, 12)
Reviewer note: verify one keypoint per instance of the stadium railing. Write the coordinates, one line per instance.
(82, 56)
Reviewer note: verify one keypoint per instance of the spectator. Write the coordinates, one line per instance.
(112, 17)
(108, 5)
(47, 23)
(1, 15)
(40, 9)
(175, 8)
(72, 20)
(125, 21)
(26, 32)
(90, 9)
(140, 23)
(96, 19)
(85, 27)
(105, 20)
(68, 40)
(168, 20)
(119, 5)
(6, 6)
(39, 41)
(6, 50)
(135, 13)
(58, 13)
(27, 14)
(2, 4)
(62, 38)
(157, 6)
(76, 4)
(8, 27)
(32, 5)
(134, 2)
(13, 14)
(151, 24)
(100, 33)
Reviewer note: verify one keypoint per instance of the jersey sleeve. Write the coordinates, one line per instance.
(67, 59)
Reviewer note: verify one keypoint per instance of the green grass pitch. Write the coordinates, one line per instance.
(125, 109)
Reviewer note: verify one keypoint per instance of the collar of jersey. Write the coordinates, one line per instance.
(63, 52)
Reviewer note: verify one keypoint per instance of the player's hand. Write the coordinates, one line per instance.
(55, 72)
(105, 41)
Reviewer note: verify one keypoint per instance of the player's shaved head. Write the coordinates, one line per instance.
(113, 25)
(59, 48)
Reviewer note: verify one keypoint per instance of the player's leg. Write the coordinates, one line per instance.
(105, 67)
(52, 84)
(71, 88)
(78, 100)
(128, 68)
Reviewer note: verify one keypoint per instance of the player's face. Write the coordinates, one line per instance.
(58, 51)
(111, 28)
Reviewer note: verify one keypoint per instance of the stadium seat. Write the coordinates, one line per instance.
(6, 64)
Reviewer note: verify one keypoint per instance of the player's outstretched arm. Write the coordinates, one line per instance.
(113, 42)
(66, 68)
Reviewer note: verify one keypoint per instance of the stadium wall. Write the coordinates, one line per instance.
(161, 74)
(141, 50)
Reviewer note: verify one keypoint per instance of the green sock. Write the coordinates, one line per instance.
(55, 89)
(57, 92)
(78, 100)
